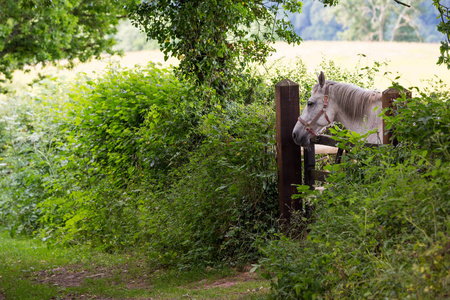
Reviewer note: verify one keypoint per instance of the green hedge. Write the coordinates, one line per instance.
(226, 195)
(139, 159)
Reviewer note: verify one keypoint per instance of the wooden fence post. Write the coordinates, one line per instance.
(309, 163)
(288, 153)
(387, 99)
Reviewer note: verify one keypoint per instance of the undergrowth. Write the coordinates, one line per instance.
(138, 159)
(381, 226)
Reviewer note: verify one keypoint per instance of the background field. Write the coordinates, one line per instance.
(414, 62)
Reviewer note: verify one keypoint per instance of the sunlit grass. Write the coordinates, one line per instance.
(413, 62)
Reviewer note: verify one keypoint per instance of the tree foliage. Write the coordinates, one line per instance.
(378, 20)
(444, 27)
(414, 23)
(41, 31)
(214, 38)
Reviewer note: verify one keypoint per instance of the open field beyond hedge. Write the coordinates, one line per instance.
(414, 62)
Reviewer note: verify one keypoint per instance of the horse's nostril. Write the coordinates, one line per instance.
(294, 135)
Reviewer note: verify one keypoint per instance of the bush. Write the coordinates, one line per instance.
(32, 139)
(425, 121)
(226, 195)
(137, 158)
(127, 130)
(380, 228)
(138, 120)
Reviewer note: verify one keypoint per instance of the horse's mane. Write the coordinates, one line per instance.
(354, 101)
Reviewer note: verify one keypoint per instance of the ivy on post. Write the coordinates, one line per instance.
(387, 99)
(288, 153)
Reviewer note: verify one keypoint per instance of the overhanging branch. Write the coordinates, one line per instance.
(402, 3)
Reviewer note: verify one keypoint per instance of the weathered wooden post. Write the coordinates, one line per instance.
(387, 99)
(288, 153)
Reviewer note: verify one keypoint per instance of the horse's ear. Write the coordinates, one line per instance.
(321, 79)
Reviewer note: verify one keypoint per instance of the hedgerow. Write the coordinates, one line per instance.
(119, 162)
(138, 159)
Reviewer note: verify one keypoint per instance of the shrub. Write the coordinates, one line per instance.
(32, 140)
(128, 128)
(135, 120)
(151, 161)
(380, 228)
(425, 122)
(226, 195)
(119, 160)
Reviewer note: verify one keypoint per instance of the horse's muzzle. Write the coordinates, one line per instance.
(300, 135)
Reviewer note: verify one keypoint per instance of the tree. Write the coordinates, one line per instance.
(315, 22)
(42, 31)
(405, 21)
(215, 38)
(443, 26)
(378, 20)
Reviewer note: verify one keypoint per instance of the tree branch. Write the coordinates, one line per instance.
(402, 3)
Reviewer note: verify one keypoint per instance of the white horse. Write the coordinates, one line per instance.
(357, 109)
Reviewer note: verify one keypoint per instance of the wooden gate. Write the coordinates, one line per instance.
(289, 155)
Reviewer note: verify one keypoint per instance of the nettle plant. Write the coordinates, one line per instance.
(33, 140)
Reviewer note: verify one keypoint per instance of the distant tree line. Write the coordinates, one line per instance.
(350, 20)
(375, 20)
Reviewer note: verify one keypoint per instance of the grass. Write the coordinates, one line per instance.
(31, 270)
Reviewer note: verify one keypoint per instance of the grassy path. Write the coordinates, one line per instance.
(31, 270)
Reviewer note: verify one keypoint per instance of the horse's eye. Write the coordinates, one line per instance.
(310, 103)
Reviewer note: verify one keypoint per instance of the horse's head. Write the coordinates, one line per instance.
(316, 116)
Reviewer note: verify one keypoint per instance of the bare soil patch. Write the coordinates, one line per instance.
(76, 275)
(229, 281)
(68, 276)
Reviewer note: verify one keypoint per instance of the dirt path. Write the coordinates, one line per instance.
(76, 276)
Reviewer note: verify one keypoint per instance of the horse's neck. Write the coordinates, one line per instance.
(363, 125)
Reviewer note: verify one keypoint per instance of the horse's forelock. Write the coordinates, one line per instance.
(316, 87)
